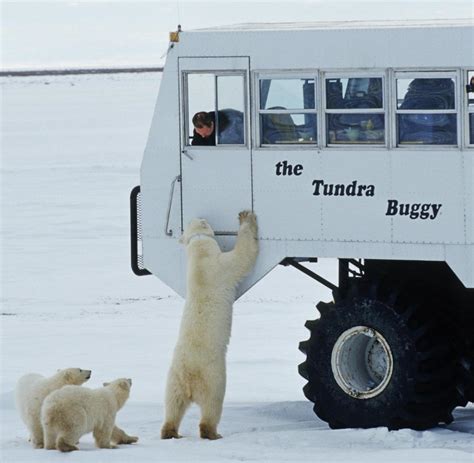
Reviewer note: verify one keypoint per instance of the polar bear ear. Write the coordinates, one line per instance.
(68, 376)
(203, 222)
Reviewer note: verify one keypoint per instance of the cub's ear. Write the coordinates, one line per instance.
(203, 222)
(105, 384)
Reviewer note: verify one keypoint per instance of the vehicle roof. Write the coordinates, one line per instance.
(373, 24)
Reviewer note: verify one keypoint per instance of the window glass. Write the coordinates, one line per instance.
(230, 115)
(358, 92)
(470, 102)
(356, 128)
(346, 120)
(287, 128)
(287, 94)
(471, 128)
(434, 129)
(426, 94)
(470, 82)
(287, 111)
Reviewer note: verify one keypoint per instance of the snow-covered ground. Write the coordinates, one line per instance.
(71, 151)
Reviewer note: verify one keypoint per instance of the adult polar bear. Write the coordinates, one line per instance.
(197, 372)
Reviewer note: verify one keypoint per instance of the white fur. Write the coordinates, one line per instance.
(198, 371)
(32, 389)
(70, 412)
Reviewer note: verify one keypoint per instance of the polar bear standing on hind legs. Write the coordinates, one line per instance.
(198, 370)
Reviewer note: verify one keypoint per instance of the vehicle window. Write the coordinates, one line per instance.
(470, 103)
(426, 111)
(215, 109)
(287, 111)
(230, 110)
(355, 110)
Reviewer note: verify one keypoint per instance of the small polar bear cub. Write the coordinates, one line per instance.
(70, 412)
(198, 370)
(31, 390)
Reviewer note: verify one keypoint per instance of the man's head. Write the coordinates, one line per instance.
(203, 124)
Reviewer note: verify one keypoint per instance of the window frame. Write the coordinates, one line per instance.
(187, 117)
(286, 75)
(395, 111)
(385, 110)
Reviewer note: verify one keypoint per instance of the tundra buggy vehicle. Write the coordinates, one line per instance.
(350, 140)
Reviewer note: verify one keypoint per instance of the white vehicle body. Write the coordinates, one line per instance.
(352, 141)
(299, 213)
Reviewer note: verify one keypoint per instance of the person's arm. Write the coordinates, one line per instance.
(197, 139)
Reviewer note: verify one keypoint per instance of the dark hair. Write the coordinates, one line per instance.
(202, 119)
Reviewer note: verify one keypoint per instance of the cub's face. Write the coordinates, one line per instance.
(196, 227)
(122, 383)
(75, 376)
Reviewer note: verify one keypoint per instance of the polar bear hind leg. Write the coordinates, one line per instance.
(37, 434)
(176, 403)
(103, 436)
(210, 398)
(50, 438)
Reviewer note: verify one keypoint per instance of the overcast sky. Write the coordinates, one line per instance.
(40, 34)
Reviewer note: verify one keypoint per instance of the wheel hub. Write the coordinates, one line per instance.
(362, 362)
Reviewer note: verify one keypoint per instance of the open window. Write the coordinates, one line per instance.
(287, 110)
(222, 97)
(354, 110)
(426, 109)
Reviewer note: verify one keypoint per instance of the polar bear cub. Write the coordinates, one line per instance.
(198, 370)
(70, 412)
(31, 390)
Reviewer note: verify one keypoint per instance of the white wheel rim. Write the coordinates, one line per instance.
(362, 362)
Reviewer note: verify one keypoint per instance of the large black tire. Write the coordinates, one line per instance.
(419, 392)
(466, 373)
(461, 336)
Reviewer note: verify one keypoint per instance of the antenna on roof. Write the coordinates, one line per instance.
(179, 15)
